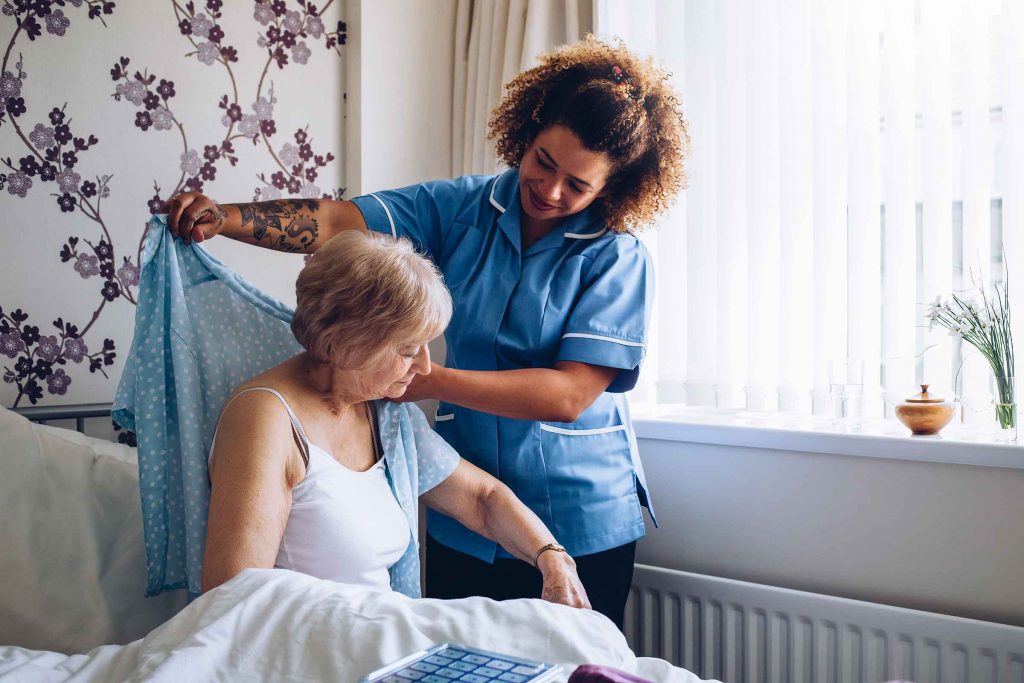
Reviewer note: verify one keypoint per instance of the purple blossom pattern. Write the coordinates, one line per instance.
(58, 382)
(68, 181)
(128, 273)
(11, 344)
(18, 183)
(289, 29)
(57, 23)
(10, 85)
(48, 348)
(87, 265)
(42, 136)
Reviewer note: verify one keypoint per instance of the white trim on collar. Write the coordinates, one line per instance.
(494, 186)
(394, 233)
(585, 236)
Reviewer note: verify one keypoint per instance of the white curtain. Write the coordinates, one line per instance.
(852, 160)
(495, 40)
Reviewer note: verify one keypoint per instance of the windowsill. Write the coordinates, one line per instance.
(958, 444)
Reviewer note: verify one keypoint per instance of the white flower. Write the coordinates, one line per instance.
(135, 92)
(208, 53)
(301, 53)
(289, 154)
(190, 162)
(162, 119)
(262, 13)
(309, 191)
(268, 192)
(292, 21)
(201, 25)
(249, 125)
(314, 26)
(264, 109)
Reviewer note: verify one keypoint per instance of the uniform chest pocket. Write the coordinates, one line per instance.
(464, 255)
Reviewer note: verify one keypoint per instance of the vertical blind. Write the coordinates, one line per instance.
(852, 160)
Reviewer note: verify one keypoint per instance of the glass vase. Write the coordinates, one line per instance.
(1004, 399)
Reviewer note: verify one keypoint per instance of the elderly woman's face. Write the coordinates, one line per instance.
(397, 372)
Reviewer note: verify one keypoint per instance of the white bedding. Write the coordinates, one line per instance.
(276, 625)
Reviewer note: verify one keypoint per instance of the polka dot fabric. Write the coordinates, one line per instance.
(200, 331)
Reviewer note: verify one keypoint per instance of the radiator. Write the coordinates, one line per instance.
(741, 632)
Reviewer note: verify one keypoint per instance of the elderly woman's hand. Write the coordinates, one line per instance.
(561, 582)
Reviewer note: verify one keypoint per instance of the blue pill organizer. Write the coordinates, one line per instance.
(447, 662)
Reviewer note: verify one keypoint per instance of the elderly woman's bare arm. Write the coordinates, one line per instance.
(252, 472)
(485, 505)
(291, 225)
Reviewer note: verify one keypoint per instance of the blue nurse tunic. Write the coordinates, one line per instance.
(580, 293)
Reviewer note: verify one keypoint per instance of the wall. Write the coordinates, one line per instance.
(399, 127)
(71, 234)
(932, 536)
(400, 113)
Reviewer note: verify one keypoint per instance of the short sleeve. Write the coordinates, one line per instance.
(436, 460)
(608, 325)
(422, 213)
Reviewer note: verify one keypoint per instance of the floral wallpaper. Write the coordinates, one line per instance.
(192, 97)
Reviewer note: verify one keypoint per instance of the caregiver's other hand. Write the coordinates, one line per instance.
(423, 386)
(194, 217)
(561, 582)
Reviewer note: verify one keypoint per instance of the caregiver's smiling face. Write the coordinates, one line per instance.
(559, 177)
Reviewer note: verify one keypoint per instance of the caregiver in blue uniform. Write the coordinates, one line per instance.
(552, 295)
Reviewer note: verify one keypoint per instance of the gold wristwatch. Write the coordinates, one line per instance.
(550, 546)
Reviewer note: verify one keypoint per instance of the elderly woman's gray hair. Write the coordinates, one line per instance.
(364, 294)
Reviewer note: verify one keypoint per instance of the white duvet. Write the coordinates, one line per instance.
(277, 625)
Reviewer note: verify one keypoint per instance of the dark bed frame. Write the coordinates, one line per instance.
(79, 413)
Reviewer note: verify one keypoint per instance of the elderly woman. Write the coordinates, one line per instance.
(301, 478)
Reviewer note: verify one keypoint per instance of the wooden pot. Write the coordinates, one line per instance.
(925, 413)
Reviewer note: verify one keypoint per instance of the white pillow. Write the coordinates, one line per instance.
(72, 559)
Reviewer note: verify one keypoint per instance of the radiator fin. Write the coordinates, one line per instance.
(741, 632)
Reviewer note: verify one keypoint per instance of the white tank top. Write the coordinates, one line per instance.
(344, 525)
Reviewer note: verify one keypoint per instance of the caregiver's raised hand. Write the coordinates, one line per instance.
(195, 217)
(561, 582)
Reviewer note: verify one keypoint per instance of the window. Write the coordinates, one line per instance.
(851, 161)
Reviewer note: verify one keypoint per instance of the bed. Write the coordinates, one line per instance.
(72, 577)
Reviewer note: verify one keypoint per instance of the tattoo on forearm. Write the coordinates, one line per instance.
(289, 224)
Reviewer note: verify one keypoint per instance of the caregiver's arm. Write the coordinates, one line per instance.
(485, 505)
(558, 394)
(293, 225)
(252, 471)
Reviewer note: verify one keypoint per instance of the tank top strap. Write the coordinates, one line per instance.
(300, 435)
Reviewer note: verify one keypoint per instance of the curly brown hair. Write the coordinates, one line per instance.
(615, 103)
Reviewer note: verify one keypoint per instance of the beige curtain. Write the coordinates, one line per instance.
(495, 40)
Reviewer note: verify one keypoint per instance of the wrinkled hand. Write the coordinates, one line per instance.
(195, 217)
(562, 584)
(423, 386)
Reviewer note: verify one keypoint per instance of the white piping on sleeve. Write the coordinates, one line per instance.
(581, 432)
(394, 233)
(444, 418)
(601, 338)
